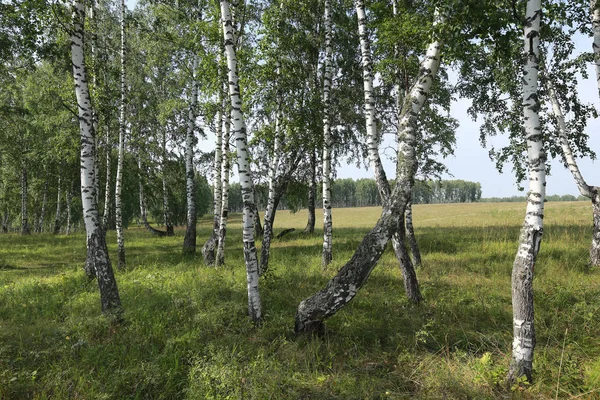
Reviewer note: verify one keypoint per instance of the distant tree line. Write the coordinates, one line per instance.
(363, 193)
(521, 199)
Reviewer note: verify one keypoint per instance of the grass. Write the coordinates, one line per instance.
(187, 335)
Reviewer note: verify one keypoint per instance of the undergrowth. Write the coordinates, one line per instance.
(186, 334)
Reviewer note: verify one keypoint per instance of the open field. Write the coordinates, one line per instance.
(186, 334)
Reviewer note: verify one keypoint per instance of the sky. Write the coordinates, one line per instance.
(471, 161)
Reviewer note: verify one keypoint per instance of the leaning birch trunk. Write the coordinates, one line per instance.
(166, 208)
(411, 284)
(57, 217)
(220, 255)
(327, 77)
(189, 240)
(25, 229)
(531, 232)
(109, 294)
(591, 192)
(239, 133)
(119, 178)
(312, 195)
(410, 234)
(343, 287)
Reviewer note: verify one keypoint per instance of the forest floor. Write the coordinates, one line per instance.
(186, 333)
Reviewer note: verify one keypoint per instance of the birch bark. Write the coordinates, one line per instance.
(107, 193)
(225, 168)
(312, 195)
(239, 133)
(410, 234)
(40, 224)
(25, 229)
(327, 77)
(109, 294)
(343, 287)
(189, 241)
(119, 177)
(166, 208)
(595, 11)
(531, 232)
(57, 217)
(398, 241)
(591, 192)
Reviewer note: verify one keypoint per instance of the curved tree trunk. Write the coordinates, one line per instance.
(239, 132)
(312, 195)
(109, 294)
(25, 229)
(119, 178)
(343, 287)
(531, 233)
(225, 169)
(189, 240)
(410, 277)
(327, 218)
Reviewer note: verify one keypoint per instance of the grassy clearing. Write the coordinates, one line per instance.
(187, 335)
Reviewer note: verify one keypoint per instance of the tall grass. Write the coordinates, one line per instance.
(186, 333)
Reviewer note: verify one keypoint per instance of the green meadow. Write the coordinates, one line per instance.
(186, 334)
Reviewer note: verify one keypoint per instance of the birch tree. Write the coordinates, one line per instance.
(225, 170)
(96, 242)
(119, 177)
(245, 175)
(344, 286)
(327, 77)
(531, 232)
(189, 241)
(410, 278)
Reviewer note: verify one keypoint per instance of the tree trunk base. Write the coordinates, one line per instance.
(208, 251)
(595, 247)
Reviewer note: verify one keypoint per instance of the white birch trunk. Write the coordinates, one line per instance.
(166, 208)
(58, 215)
(119, 177)
(343, 287)
(270, 209)
(225, 168)
(189, 241)
(327, 77)
(208, 250)
(107, 187)
(312, 195)
(69, 202)
(398, 241)
(109, 294)
(531, 232)
(40, 225)
(25, 229)
(591, 192)
(239, 133)
(595, 11)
